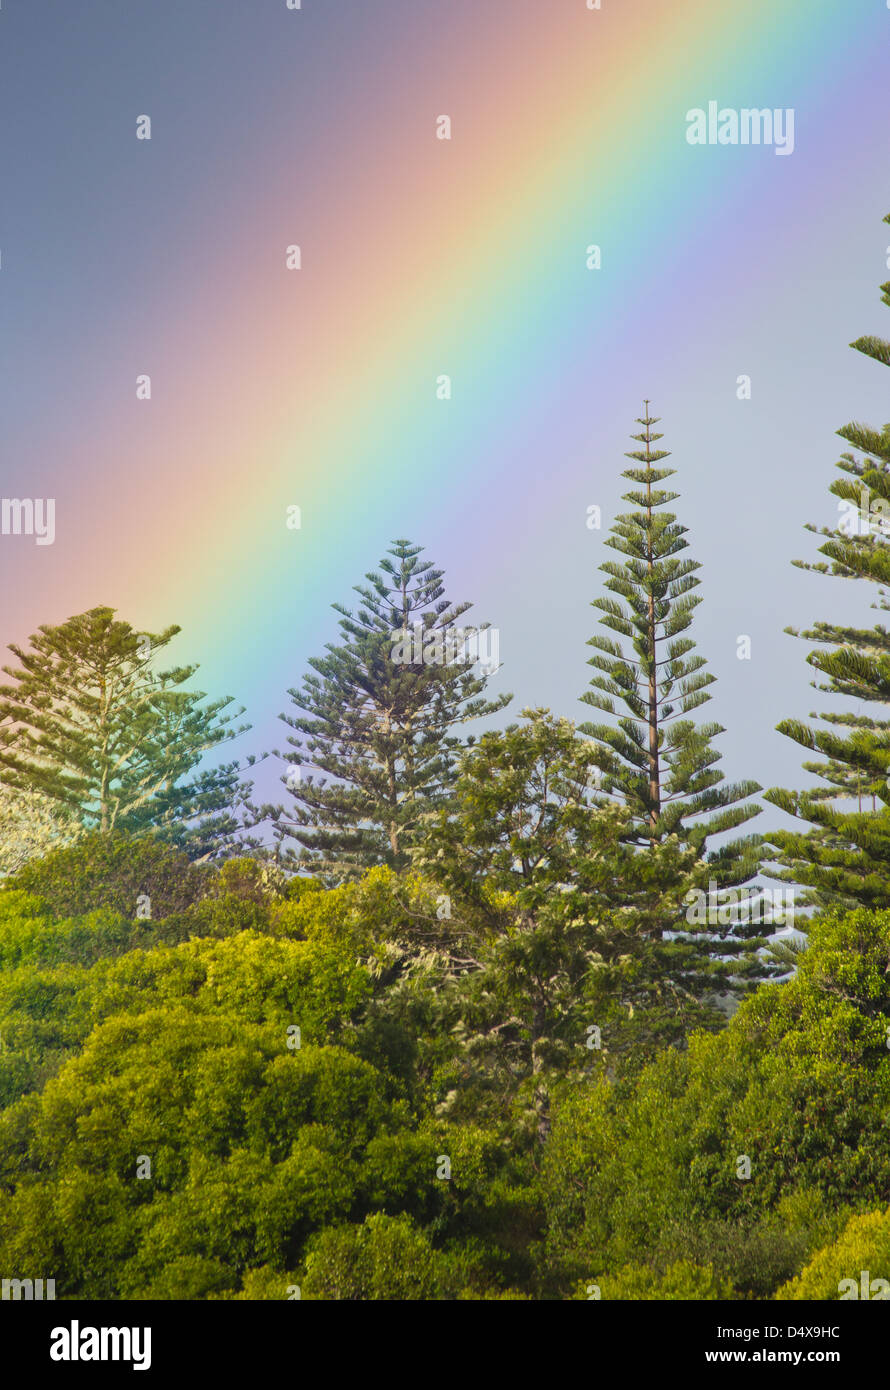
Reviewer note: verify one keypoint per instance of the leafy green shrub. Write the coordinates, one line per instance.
(113, 871)
(860, 1255)
(760, 1252)
(680, 1282)
(798, 1084)
(252, 1147)
(386, 1257)
(265, 1285)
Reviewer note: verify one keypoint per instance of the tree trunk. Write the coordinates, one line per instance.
(654, 770)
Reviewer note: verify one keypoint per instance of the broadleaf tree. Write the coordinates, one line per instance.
(565, 918)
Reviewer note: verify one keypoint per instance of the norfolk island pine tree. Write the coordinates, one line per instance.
(844, 858)
(374, 728)
(648, 679)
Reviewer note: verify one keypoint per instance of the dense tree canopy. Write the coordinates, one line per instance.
(456, 1029)
(279, 1087)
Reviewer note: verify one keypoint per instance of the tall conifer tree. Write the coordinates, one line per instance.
(845, 856)
(652, 756)
(89, 726)
(375, 746)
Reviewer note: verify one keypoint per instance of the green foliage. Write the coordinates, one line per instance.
(680, 1281)
(264, 1285)
(561, 924)
(842, 858)
(386, 1257)
(251, 1148)
(377, 731)
(112, 871)
(863, 1248)
(184, 1054)
(31, 824)
(482, 1052)
(316, 1161)
(757, 1252)
(652, 757)
(114, 745)
(28, 935)
(799, 1082)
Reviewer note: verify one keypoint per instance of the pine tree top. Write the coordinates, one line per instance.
(648, 679)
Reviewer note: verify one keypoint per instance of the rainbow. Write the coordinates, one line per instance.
(276, 388)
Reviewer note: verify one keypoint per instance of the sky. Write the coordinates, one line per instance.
(421, 257)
